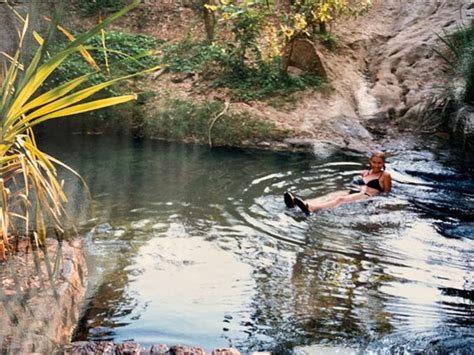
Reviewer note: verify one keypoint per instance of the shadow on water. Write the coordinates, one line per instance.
(194, 246)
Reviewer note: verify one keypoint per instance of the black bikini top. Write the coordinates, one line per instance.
(374, 183)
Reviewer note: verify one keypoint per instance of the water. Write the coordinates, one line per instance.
(194, 246)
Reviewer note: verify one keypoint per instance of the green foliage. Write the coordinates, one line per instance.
(246, 22)
(328, 40)
(459, 55)
(184, 119)
(190, 57)
(469, 78)
(247, 81)
(312, 13)
(130, 54)
(94, 6)
(264, 80)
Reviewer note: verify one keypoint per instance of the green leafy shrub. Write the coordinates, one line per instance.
(130, 53)
(190, 57)
(459, 55)
(265, 80)
(248, 81)
(328, 40)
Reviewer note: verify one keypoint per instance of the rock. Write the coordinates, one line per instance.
(90, 347)
(263, 144)
(8, 35)
(159, 349)
(403, 66)
(225, 351)
(118, 233)
(102, 228)
(352, 130)
(183, 350)
(295, 71)
(51, 313)
(324, 149)
(128, 348)
(462, 127)
(302, 54)
(300, 143)
(137, 225)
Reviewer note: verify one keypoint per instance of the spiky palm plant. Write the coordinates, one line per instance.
(459, 56)
(28, 176)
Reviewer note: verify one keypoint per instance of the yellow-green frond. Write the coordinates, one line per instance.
(89, 106)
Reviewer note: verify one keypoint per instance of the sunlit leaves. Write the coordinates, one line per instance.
(323, 12)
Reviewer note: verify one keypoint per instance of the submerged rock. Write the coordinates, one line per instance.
(102, 228)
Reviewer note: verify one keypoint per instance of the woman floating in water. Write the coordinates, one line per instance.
(372, 182)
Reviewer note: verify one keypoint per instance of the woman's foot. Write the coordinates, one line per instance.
(289, 199)
(302, 205)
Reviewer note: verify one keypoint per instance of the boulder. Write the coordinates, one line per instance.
(303, 54)
(8, 36)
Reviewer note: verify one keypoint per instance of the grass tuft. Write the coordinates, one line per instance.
(183, 119)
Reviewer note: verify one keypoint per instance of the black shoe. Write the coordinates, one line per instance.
(289, 200)
(302, 205)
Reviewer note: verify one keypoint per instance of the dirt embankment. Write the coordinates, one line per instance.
(382, 73)
(384, 68)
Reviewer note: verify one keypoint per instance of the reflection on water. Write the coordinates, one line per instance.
(195, 246)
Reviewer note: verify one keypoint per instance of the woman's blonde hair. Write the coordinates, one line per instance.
(379, 154)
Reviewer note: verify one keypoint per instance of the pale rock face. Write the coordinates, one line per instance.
(462, 126)
(384, 67)
(7, 31)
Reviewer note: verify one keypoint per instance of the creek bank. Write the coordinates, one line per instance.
(383, 67)
(131, 347)
(382, 73)
(41, 293)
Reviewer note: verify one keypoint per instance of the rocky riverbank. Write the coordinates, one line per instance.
(383, 74)
(130, 347)
(41, 295)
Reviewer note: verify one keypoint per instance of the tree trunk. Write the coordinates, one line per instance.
(283, 6)
(287, 63)
(322, 27)
(209, 20)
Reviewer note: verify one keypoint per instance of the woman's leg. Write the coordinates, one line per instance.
(289, 198)
(314, 205)
(330, 196)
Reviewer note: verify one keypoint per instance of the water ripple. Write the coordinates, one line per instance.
(196, 246)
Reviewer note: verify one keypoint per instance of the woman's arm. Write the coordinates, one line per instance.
(386, 182)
